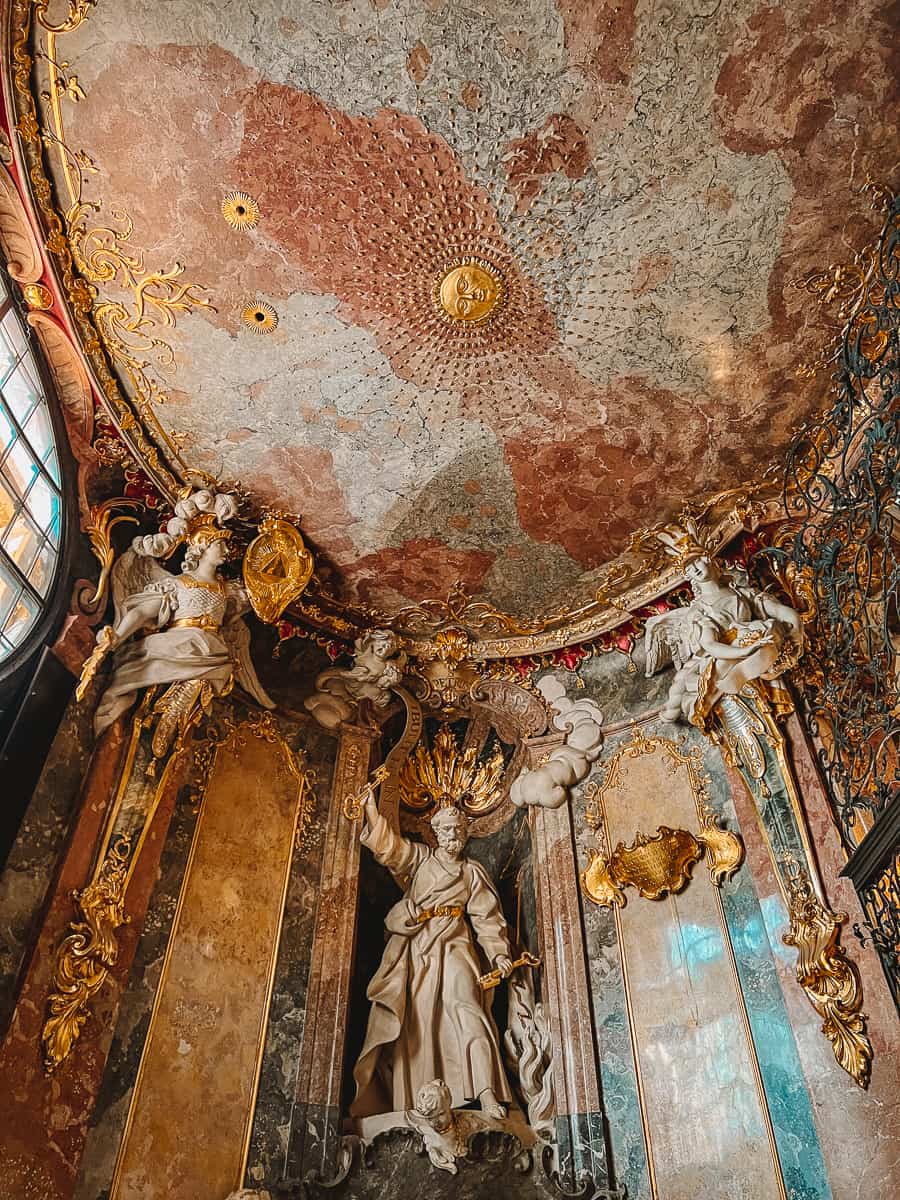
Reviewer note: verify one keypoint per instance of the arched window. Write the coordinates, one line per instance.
(31, 504)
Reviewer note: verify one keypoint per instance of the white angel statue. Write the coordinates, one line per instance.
(729, 635)
(182, 630)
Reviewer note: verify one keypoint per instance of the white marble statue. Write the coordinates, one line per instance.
(430, 1017)
(378, 666)
(729, 635)
(178, 629)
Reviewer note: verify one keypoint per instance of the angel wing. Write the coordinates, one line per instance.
(236, 635)
(133, 573)
(669, 638)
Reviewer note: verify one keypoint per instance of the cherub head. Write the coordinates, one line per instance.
(434, 1103)
(451, 828)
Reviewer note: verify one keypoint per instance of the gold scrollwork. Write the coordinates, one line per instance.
(829, 979)
(277, 567)
(99, 530)
(662, 864)
(724, 850)
(87, 953)
(656, 866)
(77, 12)
(598, 883)
(460, 609)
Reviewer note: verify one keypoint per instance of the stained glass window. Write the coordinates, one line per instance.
(30, 496)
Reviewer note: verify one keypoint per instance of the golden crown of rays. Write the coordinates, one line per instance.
(445, 776)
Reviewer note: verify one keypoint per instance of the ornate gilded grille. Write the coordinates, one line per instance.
(840, 557)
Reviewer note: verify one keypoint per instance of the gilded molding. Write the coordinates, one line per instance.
(86, 954)
(829, 979)
(77, 292)
(99, 527)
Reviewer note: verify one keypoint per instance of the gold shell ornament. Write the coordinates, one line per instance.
(277, 567)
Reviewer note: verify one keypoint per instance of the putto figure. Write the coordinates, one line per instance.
(185, 631)
(731, 634)
(430, 1018)
(378, 665)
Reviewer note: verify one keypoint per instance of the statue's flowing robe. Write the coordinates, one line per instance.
(430, 1017)
(168, 655)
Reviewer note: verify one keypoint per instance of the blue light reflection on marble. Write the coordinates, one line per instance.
(755, 930)
(617, 1075)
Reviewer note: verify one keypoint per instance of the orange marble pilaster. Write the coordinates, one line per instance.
(45, 1118)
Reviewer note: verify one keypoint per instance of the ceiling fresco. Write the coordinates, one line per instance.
(501, 283)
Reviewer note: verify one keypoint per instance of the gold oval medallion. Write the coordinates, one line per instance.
(470, 290)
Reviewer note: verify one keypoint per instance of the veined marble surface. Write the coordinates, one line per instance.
(652, 179)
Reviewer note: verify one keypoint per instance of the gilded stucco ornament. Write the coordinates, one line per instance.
(260, 316)
(86, 955)
(240, 210)
(37, 296)
(660, 864)
(277, 567)
(829, 979)
(469, 290)
(445, 773)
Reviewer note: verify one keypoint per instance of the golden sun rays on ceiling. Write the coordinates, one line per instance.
(260, 317)
(240, 210)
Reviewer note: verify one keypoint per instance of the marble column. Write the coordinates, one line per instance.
(316, 1127)
(580, 1128)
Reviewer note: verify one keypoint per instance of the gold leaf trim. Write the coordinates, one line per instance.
(86, 954)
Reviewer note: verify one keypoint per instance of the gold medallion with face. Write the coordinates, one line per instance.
(470, 290)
